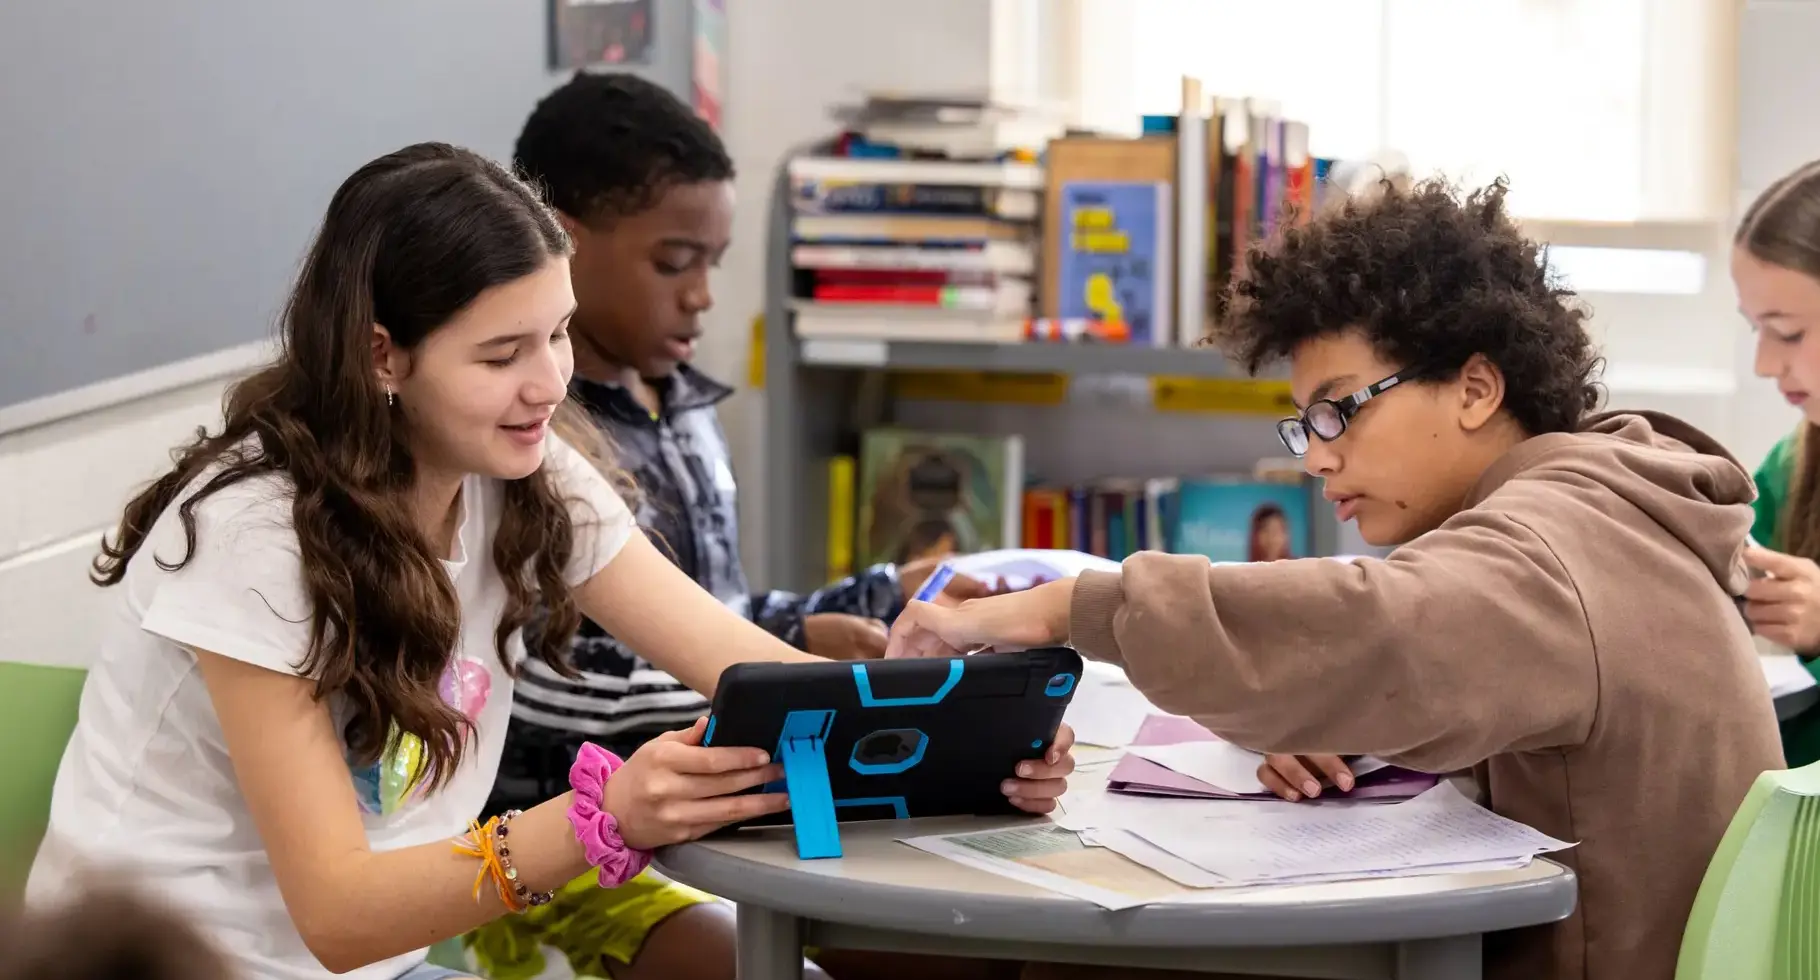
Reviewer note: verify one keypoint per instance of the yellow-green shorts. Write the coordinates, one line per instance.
(585, 922)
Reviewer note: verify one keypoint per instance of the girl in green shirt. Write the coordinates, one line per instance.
(1775, 265)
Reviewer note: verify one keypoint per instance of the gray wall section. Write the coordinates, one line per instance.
(164, 164)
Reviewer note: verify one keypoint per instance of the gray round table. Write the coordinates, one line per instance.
(885, 895)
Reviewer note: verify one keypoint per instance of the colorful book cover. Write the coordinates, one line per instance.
(1242, 520)
(1116, 256)
(706, 81)
(927, 494)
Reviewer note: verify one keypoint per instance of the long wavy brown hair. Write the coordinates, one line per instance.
(409, 240)
(1782, 227)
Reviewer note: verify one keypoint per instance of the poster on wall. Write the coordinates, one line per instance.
(599, 32)
(710, 51)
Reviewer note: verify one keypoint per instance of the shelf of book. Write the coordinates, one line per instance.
(825, 390)
(1035, 357)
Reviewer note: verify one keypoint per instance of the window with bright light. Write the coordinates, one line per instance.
(1595, 110)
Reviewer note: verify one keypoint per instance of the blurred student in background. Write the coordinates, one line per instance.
(1775, 266)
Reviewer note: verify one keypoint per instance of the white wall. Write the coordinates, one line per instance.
(64, 484)
(787, 62)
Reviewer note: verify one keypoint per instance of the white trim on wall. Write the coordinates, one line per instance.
(133, 387)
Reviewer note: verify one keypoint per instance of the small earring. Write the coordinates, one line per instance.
(390, 398)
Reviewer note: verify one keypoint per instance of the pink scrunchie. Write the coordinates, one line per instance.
(595, 828)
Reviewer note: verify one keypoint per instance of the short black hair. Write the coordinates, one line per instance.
(608, 144)
(1431, 276)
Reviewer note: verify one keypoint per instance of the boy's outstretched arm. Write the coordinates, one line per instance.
(1468, 642)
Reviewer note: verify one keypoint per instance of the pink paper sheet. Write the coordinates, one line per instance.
(1143, 777)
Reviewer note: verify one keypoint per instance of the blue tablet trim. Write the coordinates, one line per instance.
(866, 700)
(889, 768)
(897, 803)
(707, 737)
(1059, 686)
(802, 745)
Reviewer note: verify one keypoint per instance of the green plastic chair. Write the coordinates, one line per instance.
(37, 714)
(1757, 916)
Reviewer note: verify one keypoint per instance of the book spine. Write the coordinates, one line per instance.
(1191, 222)
(841, 516)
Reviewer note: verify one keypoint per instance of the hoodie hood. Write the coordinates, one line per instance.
(1676, 475)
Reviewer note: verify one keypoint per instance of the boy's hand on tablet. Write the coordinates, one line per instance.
(1295, 777)
(673, 789)
(1783, 606)
(1016, 621)
(841, 636)
(1040, 782)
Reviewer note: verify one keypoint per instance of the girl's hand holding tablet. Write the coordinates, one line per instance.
(674, 789)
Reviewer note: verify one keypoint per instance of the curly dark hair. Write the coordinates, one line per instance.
(606, 145)
(1431, 276)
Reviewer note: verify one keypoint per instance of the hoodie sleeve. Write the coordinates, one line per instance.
(1467, 642)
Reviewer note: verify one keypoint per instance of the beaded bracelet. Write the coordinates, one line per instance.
(488, 843)
(522, 892)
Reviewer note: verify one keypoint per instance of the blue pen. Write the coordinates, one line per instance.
(935, 583)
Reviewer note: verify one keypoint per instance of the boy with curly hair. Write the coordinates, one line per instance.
(1559, 616)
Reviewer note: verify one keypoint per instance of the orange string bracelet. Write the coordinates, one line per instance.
(480, 843)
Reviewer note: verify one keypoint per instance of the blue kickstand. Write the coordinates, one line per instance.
(803, 749)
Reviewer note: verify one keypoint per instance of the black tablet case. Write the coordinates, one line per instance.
(894, 738)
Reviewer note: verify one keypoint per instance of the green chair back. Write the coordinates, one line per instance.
(1757, 915)
(37, 714)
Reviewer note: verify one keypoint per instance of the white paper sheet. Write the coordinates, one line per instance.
(1106, 710)
(1137, 849)
(1048, 857)
(1254, 844)
(1021, 567)
(1219, 764)
(1786, 674)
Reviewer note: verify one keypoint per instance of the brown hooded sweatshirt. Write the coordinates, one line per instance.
(1571, 633)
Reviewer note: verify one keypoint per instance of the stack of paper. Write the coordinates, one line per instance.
(1173, 756)
(1132, 851)
(1440, 831)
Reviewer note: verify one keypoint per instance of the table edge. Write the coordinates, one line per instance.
(1061, 919)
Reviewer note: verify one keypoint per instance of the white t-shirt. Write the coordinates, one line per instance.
(146, 788)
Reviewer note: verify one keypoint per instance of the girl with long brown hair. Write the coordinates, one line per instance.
(1776, 268)
(298, 710)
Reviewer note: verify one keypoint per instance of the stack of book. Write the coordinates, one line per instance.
(933, 220)
(922, 224)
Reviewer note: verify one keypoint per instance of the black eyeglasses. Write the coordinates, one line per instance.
(1327, 417)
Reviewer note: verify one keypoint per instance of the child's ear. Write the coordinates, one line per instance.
(390, 363)
(1481, 387)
